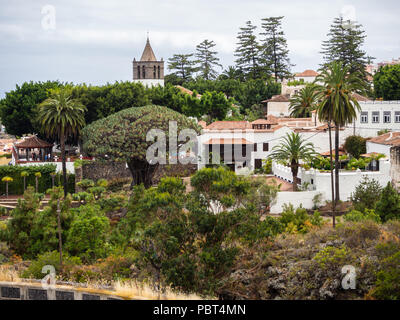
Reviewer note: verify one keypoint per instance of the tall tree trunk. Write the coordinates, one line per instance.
(337, 168)
(295, 169)
(7, 189)
(59, 231)
(64, 165)
(332, 183)
(24, 184)
(142, 172)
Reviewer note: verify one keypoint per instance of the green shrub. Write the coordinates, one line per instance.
(298, 220)
(331, 257)
(355, 145)
(117, 184)
(366, 194)
(357, 216)
(388, 207)
(85, 184)
(387, 286)
(34, 271)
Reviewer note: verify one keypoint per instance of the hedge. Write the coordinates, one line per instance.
(16, 187)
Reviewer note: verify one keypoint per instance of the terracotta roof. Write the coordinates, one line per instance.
(229, 125)
(228, 141)
(33, 142)
(187, 91)
(390, 139)
(277, 98)
(369, 155)
(263, 121)
(307, 73)
(327, 153)
(148, 54)
(272, 119)
(202, 124)
(359, 97)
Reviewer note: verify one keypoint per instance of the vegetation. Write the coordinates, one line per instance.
(207, 60)
(302, 103)
(122, 137)
(388, 206)
(293, 149)
(62, 117)
(387, 83)
(355, 146)
(366, 194)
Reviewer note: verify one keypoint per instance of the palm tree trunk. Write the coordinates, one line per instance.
(332, 184)
(37, 184)
(295, 170)
(64, 165)
(337, 169)
(7, 189)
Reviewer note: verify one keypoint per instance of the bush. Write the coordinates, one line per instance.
(356, 216)
(388, 207)
(355, 145)
(298, 220)
(366, 195)
(387, 286)
(53, 259)
(117, 184)
(331, 257)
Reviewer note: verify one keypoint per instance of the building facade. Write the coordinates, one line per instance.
(148, 71)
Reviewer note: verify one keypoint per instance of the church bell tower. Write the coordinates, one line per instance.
(148, 70)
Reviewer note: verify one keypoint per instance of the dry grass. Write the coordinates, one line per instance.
(8, 274)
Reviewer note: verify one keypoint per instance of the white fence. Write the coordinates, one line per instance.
(303, 198)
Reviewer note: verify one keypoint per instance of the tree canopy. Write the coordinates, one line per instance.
(122, 137)
(387, 83)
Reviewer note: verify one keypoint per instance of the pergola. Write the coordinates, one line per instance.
(31, 143)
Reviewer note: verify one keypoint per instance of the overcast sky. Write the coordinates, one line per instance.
(95, 41)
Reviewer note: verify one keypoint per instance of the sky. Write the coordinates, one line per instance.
(95, 41)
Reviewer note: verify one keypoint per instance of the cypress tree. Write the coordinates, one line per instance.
(248, 51)
(275, 55)
(183, 65)
(344, 44)
(207, 60)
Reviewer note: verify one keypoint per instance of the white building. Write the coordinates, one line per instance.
(308, 76)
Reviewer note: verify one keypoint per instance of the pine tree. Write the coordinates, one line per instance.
(248, 51)
(275, 55)
(345, 42)
(183, 65)
(207, 60)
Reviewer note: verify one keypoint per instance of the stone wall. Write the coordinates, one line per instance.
(34, 291)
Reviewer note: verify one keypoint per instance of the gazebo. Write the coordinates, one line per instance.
(30, 145)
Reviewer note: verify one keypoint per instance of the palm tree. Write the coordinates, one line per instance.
(7, 180)
(293, 149)
(38, 175)
(303, 102)
(24, 174)
(337, 103)
(62, 117)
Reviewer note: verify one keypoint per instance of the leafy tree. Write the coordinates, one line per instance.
(184, 66)
(344, 44)
(388, 206)
(207, 59)
(337, 104)
(366, 194)
(275, 55)
(122, 137)
(248, 52)
(302, 103)
(231, 73)
(62, 117)
(387, 83)
(291, 150)
(87, 235)
(18, 108)
(355, 145)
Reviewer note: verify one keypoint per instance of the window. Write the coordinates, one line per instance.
(154, 72)
(257, 163)
(375, 117)
(138, 72)
(364, 117)
(144, 72)
(386, 116)
(159, 73)
(255, 147)
(397, 116)
(265, 147)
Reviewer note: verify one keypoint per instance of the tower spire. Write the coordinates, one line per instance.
(148, 54)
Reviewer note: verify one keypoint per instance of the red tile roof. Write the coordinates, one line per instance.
(187, 91)
(228, 141)
(307, 73)
(264, 121)
(202, 124)
(229, 125)
(359, 97)
(277, 98)
(390, 139)
(33, 142)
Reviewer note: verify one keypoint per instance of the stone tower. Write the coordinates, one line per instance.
(148, 70)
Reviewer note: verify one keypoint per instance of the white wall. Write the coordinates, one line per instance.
(321, 139)
(278, 109)
(151, 82)
(370, 129)
(378, 148)
(304, 198)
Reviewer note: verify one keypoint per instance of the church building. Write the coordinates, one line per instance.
(148, 70)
